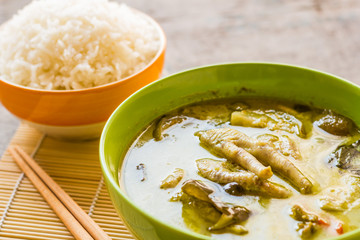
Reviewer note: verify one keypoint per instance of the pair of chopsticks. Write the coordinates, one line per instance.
(81, 225)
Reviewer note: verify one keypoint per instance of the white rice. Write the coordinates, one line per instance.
(75, 44)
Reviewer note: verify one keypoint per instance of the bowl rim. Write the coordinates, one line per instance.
(161, 50)
(106, 171)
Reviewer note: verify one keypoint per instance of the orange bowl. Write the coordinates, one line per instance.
(79, 114)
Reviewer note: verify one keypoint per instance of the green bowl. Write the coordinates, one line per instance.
(293, 83)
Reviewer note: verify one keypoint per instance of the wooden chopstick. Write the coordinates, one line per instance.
(81, 225)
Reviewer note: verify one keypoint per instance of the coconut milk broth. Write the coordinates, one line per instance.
(269, 217)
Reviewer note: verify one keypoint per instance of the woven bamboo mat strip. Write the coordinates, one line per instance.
(75, 167)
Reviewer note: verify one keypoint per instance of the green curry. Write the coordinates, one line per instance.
(256, 168)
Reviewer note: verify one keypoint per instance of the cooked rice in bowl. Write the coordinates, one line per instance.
(75, 44)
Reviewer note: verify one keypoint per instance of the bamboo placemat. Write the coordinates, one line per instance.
(75, 167)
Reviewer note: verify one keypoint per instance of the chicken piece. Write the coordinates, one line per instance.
(223, 143)
(284, 144)
(230, 213)
(219, 139)
(173, 179)
(283, 166)
(215, 171)
(244, 159)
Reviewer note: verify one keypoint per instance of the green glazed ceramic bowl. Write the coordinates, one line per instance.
(298, 84)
